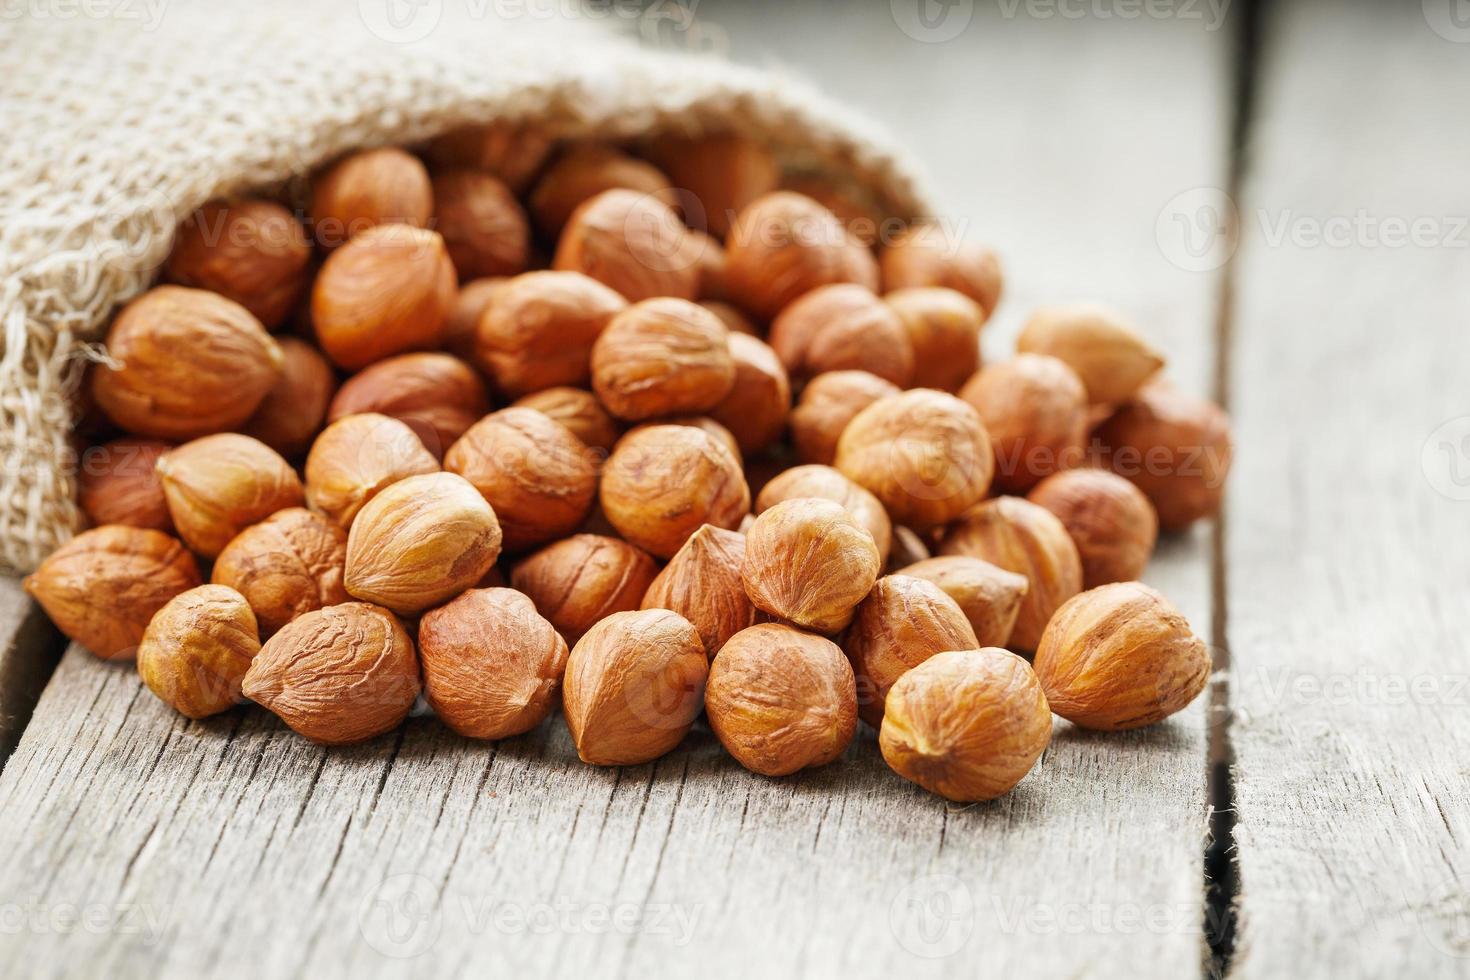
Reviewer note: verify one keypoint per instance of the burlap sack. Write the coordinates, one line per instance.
(119, 117)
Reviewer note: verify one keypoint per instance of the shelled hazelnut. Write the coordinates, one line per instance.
(843, 327)
(358, 456)
(287, 565)
(462, 328)
(540, 330)
(722, 173)
(756, 407)
(119, 485)
(828, 484)
(702, 422)
(714, 283)
(583, 172)
(197, 648)
(662, 357)
(436, 395)
(578, 410)
(988, 595)
(217, 486)
(368, 189)
(784, 245)
(485, 231)
(854, 205)
(1110, 520)
(511, 151)
(733, 319)
(809, 562)
(634, 244)
(943, 328)
(292, 412)
(827, 404)
(1107, 353)
(581, 580)
(1035, 409)
(252, 251)
(926, 255)
(702, 583)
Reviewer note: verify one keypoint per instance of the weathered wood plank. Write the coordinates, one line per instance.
(1347, 572)
(238, 848)
(29, 649)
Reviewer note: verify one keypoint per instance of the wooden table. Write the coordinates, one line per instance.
(1307, 818)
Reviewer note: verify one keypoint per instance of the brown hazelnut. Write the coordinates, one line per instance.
(292, 412)
(1021, 537)
(702, 422)
(634, 685)
(461, 330)
(661, 483)
(1110, 520)
(118, 484)
(251, 251)
(579, 411)
(367, 189)
(540, 330)
(661, 357)
(923, 453)
(988, 595)
(827, 404)
(484, 228)
(713, 284)
(492, 665)
(583, 579)
(389, 290)
(421, 541)
(356, 457)
(903, 622)
(197, 648)
(1119, 657)
(512, 152)
(189, 363)
(722, 174)
(783, 245)
(103, 586)
(733, 319)
(1174, 447)
(843, 327)
(219, 485)
(702, 583)
(287, 565)
(539, 478)
(943, 328)
(926, 255)
(853, 204)
(1035, 410)
(1104, 349)
(632, 243)
(436, 395)
(966, 724)
(780, 700)
(810, 562)
(337, 675)
(755, 410)
(583, 172)
(828, 484)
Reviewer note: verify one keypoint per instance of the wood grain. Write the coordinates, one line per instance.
(234, 847)
(1348, 570)
(29, 650)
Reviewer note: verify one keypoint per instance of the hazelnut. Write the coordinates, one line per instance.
(634, 685)
(1104, 349)
(540, 330)
(578, 410)
(219, 485)
(783, 245)
(355, 458)
(484, 228)
(755, 410)
(713, 286)
(908, 548)
(389, 290)
(510, 151)
(251, 251)
(537, 476)
(1119, 657)
(1035, 410)
(702, 422)
(661, 483)
(926, 255)
(435, 395)
(733, 319)
(722, 174)
(1021, 537)
(291, 413)
(989, 596)
(118, 484)
(492, 665)
(828, 484)
(853, 204)
(827, 404)
(702, 583)
(943, 327)
(810, 562)
(583, 172)
(367, 189)
(780, 700)
(583, 579)
(337, 675)
(421, 541)
(103, 586)
(1173, 447)
(902, 623)
(197, 648)
(287, 565)
(661, 357)
(632, 243)
(843, 327)
(189, 363)
(462, 328)
(966, 724)
(1110, 520)
(923, 453)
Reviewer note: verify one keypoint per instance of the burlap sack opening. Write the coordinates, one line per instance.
(119, 125)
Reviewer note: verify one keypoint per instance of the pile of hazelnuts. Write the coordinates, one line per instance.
(646, 431)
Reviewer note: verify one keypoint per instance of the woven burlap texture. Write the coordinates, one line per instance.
(119, 125)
